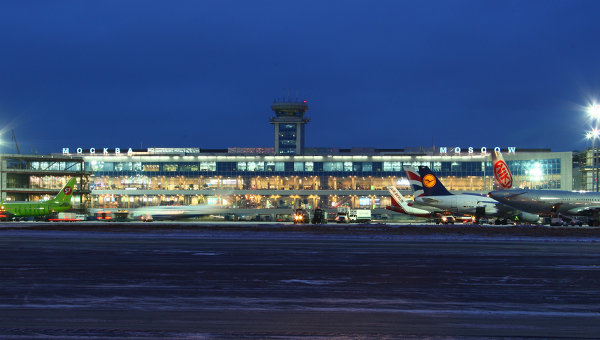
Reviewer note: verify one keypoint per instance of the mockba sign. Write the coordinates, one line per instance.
(93, 151)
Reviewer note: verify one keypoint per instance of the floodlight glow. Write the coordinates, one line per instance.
(535, 172)
(594, 111)
(594, 133)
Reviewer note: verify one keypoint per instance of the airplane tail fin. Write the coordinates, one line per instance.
(66, 193)
(397, 199)
(412, 174)
(398, 202)
(432, 186)
(502, 177)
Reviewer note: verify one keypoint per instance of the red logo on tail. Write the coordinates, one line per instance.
(67, 191)
(502, 174)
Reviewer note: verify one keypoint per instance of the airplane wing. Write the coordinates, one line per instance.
(507, 210)
(505, 194)
(589, 210)
(176, 212)
(429, 200)
(419, 205)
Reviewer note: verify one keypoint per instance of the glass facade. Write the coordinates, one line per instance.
(34, 178)
(542, 174)
(241, 181)
(589, 165)
(13, 163)
(286, 181)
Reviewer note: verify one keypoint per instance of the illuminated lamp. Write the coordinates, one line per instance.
(594, 111)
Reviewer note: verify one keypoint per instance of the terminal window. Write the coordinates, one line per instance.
(150, 167)
(208, 166)
(170, 167)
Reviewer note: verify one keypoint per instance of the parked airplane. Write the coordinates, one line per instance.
(173, 212)
(549, 202)
(61, 202)
(435, 194)
(399, 204)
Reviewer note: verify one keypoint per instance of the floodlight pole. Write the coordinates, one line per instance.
(596, 168)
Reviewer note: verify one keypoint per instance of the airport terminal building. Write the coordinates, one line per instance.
(244, 179)
(268, 180)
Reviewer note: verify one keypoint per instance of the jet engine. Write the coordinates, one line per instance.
(528, 217)
(490, 210)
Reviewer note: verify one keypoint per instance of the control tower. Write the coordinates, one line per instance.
(289, 126)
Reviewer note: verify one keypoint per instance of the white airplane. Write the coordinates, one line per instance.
(549, 202)
(401, 205)
(436, 195)
(173, 212)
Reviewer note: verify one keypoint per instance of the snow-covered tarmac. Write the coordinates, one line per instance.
(177, 280)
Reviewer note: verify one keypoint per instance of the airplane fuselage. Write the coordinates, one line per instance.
(23, 209)
(61, 202)
(175, 212)
(549, 201)
(461, 203)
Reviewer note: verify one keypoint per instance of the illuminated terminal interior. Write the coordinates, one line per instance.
(286, 176)
(282, 181)
(188, 176)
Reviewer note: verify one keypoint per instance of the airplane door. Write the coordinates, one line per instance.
(453, 205)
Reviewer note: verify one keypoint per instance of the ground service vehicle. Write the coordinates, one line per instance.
(445, 219)
(112, 216)
(575, 222)
(300, 216)
(319, 216)
(67, 217)
(563, 220)
(121, 216)
(359, 215)
(341, 219)
(104, 215)
(342, 215)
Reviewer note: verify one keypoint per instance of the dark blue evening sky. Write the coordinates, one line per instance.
(386, 74)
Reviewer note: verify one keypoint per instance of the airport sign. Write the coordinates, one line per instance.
(471, 150)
